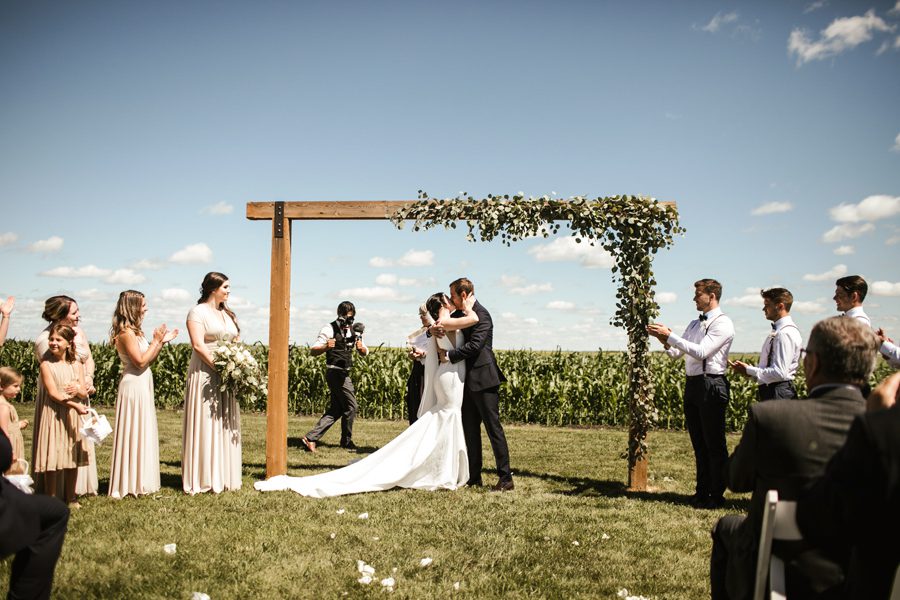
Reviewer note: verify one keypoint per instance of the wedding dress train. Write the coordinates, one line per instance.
(429, 455)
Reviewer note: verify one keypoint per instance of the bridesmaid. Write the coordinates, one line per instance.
(135, 458)
(59, 448)
(64, 310)
(211, 451)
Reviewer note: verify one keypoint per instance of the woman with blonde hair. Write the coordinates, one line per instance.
(211, 450)
(135, 457)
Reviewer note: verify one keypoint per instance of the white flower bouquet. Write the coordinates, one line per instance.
(240, 374)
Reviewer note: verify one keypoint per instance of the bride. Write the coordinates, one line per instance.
(431, 453)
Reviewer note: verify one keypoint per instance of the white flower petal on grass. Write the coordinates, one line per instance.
(199, 596)
(388, 582)
(340, 511)
(375, 538)
(604, 537)
(363, 516)
(455, 585)
(365, 569)
(332, 535)
(622, 593)
(546, 538)
(170, 548)
(576, 543)
(426, 561)
(365, 580)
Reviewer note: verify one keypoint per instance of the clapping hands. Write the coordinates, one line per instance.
(7, 307)
(163, 334)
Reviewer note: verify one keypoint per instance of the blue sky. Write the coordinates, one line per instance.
(132, 135)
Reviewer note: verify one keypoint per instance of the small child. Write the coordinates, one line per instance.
(58, 446)
(10, 384)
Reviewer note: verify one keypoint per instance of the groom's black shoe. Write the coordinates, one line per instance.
(474, 483)
(504, 486)
(349, 446)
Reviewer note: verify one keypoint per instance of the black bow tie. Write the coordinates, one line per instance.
(773, 326)
(702, 317)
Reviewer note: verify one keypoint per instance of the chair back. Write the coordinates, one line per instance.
(779, 523)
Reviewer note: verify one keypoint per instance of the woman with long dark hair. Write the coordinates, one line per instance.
(211, 450)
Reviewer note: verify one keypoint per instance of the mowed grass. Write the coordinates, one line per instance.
(569, 530)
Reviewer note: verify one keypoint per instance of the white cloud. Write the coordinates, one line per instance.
(872, 208)
(176, 294)
(413, 282)
(771, 208)
(716, 23)
(192, 255)
(896, 146)
(53, 243)
(560, 305)
(511, 280)
(386, 279)
(372, 294)
(530, 289)
(567, 249)
(814, 6)
(125, 277)
(8, 238)
(509, 315)
(147, 265)
(841, 35)
(219, 208)
(530, 321)
(844, 250)
(892, 240)
(808, 307)
(417, 258)
(885, 288)
(846, 232)
(93, 294)
(666, 297)
(835, 272)
(79, 272)
(751, 299)
(380, 263)
(895, 12)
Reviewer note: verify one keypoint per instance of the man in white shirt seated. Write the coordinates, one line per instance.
(780, 353)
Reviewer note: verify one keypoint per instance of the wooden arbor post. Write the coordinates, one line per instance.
(281, 214)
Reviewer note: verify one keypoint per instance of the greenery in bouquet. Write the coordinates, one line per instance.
(240, 373)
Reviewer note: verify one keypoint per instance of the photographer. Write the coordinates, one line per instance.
(337, 340)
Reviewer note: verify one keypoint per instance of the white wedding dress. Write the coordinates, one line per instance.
(429, 455)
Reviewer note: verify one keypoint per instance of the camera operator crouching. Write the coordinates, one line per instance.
(337, 341)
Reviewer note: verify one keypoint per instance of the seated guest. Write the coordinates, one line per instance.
(32, 528)
(785, 445)
(853, 510)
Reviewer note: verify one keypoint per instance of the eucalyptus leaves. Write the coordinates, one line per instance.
(631, 228)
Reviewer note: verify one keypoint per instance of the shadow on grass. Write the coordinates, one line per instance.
(295, 442)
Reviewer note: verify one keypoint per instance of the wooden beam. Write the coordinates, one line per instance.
(279, 327)
(330, 210)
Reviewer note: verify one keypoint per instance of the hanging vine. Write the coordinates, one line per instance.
(630, 228)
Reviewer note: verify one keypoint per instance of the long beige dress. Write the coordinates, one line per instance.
(87, 482)
(15, 438)
(57, 443)
(211, 450)
(135, 458)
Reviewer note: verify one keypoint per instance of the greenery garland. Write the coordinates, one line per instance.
(630, 228)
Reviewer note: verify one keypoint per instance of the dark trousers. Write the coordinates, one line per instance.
(31, 575)
(780, 390)
(706, 399)
(343, 407)
(414, 391)
(732, 565)
(484, 407)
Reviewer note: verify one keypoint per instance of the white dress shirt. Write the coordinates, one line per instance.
(704, 344)
(857, 312)
(782, 346)
(891, 352)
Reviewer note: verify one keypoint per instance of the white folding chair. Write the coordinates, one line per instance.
(779, 523)
(895, 590)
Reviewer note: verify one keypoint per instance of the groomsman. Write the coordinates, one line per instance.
(889, 349)
(780, 353)
(849, 294)
(704, 344)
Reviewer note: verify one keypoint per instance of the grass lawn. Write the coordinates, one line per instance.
(568, 530)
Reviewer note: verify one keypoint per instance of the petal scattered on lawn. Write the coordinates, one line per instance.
(576, 543)
(667, 478)
(363, 516)
(332, 535)
(426, 561)
(365, 569)
(388, 582)
(375, 538)
(199, 596)
(456, 585)
(340, 511)
(170, 548)
(546, 538)
(623, 593)
(604, 537)
(365, 579)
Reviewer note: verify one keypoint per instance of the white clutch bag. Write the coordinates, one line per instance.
(22, 480)
(95, 427)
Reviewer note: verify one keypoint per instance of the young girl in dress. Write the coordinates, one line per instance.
(58, 446)
(10, 383)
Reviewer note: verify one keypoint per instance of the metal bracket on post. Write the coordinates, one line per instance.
(279, 220)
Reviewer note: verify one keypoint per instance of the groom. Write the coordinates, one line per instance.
(481, 398)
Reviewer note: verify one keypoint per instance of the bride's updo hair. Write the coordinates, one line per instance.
(434, 304)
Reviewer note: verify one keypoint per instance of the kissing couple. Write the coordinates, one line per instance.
(442, 449)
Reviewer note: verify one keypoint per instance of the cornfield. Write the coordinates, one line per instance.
(549, 388)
